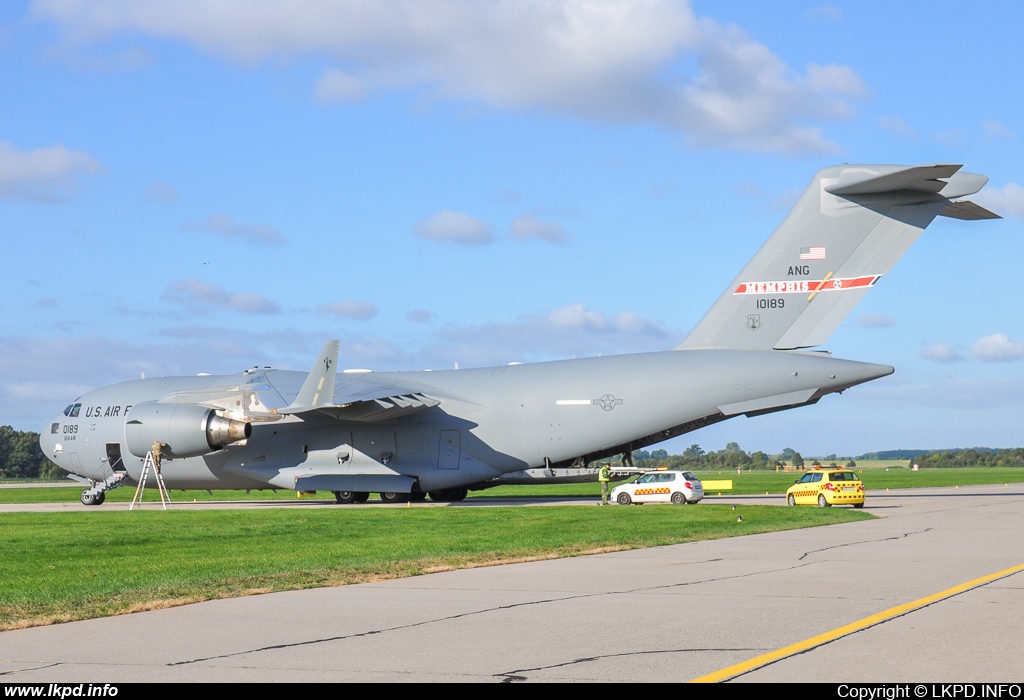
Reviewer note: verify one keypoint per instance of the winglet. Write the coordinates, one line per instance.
(318, 389)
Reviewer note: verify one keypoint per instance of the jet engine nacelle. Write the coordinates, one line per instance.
(188, 430)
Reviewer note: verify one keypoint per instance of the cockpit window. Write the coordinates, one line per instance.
(74, 410)
(67, 411)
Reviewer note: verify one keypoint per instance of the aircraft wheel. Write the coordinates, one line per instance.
(624, 499)
(791, 500)
(360, 496)
(394, 497)
(417, 497)
(448, 495)
(343, 497)
(100, 498)
(88, 499)
(822, 503)
(678, 499)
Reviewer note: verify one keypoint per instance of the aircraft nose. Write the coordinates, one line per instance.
(49, 438)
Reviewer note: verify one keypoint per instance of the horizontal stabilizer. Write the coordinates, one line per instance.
(892, 178)
(968, 211)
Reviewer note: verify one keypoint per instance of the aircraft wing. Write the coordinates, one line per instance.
(359, 396)
(364, 398)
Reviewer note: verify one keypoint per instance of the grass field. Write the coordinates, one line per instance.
(69, 566)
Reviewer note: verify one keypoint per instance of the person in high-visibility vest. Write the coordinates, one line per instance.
(604, 476)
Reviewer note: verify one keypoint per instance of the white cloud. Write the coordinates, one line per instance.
(829, 12)
(941, 353)
(620, 61)
(895, 124)
(421, 316)
(997, 348)
(561, 333)
(335, 85)
(1007, 200)
(527, 226)
(875, 321)
(194, 293)
(360, 310)
(225, 226)
(161, 193)
(46, 174)
(996, 130)
(454, 227)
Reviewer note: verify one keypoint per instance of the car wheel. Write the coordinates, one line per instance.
(791, 500)
(394, 497)
(624, 499)
(88, 499)
(822, 503)
(343, 497)
(678, 499)
(858, 505)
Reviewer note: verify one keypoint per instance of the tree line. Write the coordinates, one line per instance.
(21, 458)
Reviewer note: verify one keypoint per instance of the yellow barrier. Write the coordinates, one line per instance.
(717, 485)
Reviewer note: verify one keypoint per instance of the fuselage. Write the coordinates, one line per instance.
(488, 421)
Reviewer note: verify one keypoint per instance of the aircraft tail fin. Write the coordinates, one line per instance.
(850, 226)
(318, 389)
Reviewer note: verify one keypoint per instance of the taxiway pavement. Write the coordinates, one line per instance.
(662, 614)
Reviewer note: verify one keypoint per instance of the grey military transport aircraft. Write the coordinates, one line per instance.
(405, 435)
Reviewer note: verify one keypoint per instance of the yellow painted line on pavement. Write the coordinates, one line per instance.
(772, 656)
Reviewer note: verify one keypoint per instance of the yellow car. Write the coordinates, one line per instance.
(827, 487)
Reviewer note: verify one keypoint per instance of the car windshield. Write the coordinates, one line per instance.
(689, 476)
(646, 479)
(843, 476)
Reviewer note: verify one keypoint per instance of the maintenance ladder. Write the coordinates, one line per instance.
(165, 496)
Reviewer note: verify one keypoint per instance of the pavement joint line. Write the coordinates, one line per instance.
(771, 657)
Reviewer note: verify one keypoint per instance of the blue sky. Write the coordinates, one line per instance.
(195, 187)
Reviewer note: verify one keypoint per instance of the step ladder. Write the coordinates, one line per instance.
(165, 496)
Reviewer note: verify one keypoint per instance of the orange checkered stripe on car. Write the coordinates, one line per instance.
(648, 492)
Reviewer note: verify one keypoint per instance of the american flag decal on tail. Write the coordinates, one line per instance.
(815, 252)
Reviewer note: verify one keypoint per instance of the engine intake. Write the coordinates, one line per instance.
(188, 430)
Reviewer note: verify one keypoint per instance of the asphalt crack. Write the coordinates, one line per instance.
(851, 544)
(515, 676)
(484, 611)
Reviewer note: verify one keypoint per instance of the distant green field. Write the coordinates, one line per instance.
(69, 566)
(747, 483)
